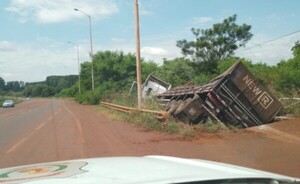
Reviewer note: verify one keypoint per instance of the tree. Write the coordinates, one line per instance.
(28, 90)
(296, 50)
(85, 76)
(177, 71)
(37, 90)
(289, 73)
(2, 83)
(114, 69)
(216, 43)
(13, 86)
(47, 91)
(61, 82)
(148, 68)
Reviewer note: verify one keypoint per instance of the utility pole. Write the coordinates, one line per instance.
(138, 63)
(91, 44)
(77, 49)
(79, 90)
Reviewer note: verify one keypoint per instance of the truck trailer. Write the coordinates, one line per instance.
(233, 98)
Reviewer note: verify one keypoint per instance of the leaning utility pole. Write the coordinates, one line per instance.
(138, 63)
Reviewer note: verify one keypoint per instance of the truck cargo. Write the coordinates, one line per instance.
(235, 97)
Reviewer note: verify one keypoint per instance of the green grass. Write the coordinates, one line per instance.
(149, 122)
(213, 127)
(292, 107)
(122, 98)
(171, 126)
(141, 119)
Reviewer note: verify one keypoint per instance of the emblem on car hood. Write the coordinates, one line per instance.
(42, 171)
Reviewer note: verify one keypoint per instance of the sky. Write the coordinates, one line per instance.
(38, 38)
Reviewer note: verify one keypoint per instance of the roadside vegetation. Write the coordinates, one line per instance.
(148, 122)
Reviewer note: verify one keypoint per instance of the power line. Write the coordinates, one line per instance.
(275, 39)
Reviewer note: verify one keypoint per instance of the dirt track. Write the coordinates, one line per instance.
(62, 129)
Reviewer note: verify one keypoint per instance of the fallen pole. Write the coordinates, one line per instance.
(160, 115)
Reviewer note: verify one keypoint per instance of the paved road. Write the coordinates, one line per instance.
(44, 130)
(29, 132)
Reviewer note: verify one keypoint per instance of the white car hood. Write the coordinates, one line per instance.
(149, 169)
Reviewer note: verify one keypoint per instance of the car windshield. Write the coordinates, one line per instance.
(209, 80)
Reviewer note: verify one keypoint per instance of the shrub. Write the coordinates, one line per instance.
(69, 92)
(212, 127)
(88, 97)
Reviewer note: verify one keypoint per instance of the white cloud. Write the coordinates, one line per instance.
(162, 46)
(60, 10)
(270, 53)
(167, 49)
(202, 20)
(6, 46)
(152, 53)
(155, 51)
(145, 12)
(33, 63)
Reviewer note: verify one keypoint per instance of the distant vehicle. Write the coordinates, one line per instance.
(8, 103)
(148, 169)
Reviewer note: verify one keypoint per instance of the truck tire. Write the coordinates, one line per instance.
(174, 107)
(181, 113)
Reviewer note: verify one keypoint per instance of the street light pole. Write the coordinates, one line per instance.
(91, 43)
(77, 49)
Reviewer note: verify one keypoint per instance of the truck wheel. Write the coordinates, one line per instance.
(180, 112)
(169, 105)
(174, 107)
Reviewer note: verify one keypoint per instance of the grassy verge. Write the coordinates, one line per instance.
(212, 127)
(292, 107)
(140, 119)
(148, 122)
(172, 126)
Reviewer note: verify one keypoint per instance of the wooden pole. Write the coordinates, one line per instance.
(138, 63)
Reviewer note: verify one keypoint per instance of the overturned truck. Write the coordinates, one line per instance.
(233, 98)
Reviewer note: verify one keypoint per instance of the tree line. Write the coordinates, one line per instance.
(11, 86)
(210, 53)
(51, 87)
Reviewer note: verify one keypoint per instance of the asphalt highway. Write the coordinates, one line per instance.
(45, 130)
